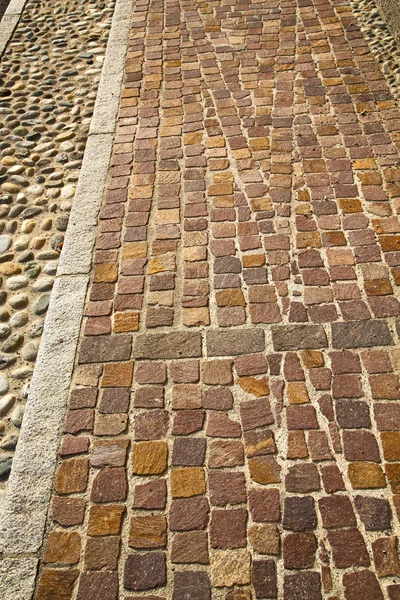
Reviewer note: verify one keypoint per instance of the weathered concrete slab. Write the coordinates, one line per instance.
(17, 578)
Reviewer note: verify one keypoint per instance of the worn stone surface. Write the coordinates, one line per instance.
(233, 343)
(298, 337)
(361, 334)
(171, 345)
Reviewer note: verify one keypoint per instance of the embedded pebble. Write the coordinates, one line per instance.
(6, 361)
(4, 314)
(5, 243)
(12, 343)
(6, 404)
(28, 226)
(21, 244)
(19, 319)
(10, 268)
(62, 223)
(10, 188)
(17, 415)
(5, 464)
(4, 387)
(41, 305)
(17, 282)
(36, 329)
(35, 190)
(21, 373)
(68, 192)
(44, 284)
(5, 330)
(18, 301)
(51, 268)
(29, 352)
(32, 270)
(66, 206)
(9, 442)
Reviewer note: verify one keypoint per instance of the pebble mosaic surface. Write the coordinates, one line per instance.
(381, 42)
(233, 429)
(48, 82)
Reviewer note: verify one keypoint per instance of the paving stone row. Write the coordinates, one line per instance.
(49, 75)
(233, 426)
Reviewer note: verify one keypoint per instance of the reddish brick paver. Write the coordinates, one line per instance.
(234, 424)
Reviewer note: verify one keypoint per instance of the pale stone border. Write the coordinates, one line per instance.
(9, 22)
(26, 503)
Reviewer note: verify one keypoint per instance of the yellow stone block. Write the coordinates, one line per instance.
(126, 321)
(159, 264)
(253, 386)
(194, 317)
(364, 475)
(230, 567)
(105, 273)
(230, 297)
(149, 458)
(171, 215)
(264, 470)
(186, 482)
(134, 250)
(296, 392)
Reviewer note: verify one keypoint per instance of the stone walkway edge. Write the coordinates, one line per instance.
(9, 22)
(26, 503)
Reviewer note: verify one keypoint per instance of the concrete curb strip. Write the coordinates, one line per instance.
(9, 22)
(25, 506)
(18, 577)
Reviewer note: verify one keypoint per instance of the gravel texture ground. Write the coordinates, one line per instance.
(48, 81)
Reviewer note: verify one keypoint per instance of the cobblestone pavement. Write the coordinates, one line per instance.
(48, 82)
(234, 421)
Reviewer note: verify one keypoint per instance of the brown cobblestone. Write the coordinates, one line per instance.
(62, 547)
(148, 532)
(71, 476)
(362, 584)
(67, 511)
(55, 581)
(97, 584)
(145, 571)
(190, 547)
(105, 520)
(102, 553)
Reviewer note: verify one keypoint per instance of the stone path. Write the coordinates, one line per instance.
(233, 429)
